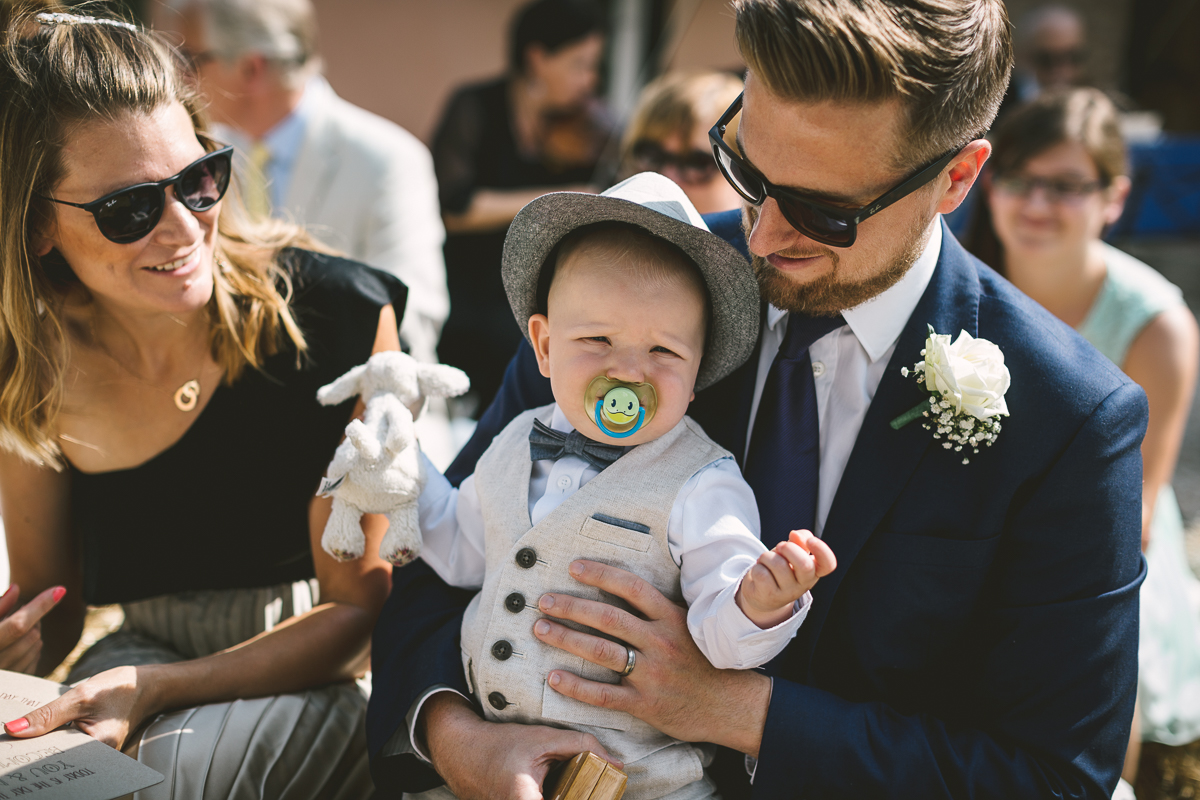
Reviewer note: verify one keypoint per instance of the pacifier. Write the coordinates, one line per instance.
(620, 409)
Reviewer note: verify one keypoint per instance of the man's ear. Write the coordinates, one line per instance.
(539, 334)
(963, 172)
(252, 69)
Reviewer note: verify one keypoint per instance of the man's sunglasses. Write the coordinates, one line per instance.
(831, 225)
(693, 166)
(129, 214)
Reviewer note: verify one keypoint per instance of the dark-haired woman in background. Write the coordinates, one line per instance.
(500, 144)
(1057, 180)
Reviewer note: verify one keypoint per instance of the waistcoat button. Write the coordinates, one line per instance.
(502, 650)
(515, 602)
(497, 700)
(526, 557)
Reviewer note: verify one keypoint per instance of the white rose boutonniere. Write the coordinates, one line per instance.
(966, 380)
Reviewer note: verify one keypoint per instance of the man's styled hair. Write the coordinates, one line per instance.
(946, 61)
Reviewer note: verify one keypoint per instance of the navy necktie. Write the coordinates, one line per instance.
(784, 459)
(545, 442)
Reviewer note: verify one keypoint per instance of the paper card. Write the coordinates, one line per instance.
(65, 763)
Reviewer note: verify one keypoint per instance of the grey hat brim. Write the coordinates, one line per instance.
(732, 288)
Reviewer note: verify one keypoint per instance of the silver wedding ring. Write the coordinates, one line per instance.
(630, 662)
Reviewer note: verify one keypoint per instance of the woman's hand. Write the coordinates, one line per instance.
(673, 687)
(21, 629)
(107, 707)
(481, 760)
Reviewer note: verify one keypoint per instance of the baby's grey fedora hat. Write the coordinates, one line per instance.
(656, 204)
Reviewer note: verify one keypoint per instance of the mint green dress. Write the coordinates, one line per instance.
(1169, 652)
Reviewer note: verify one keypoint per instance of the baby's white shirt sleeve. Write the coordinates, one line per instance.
(452, 534)
(713, 535)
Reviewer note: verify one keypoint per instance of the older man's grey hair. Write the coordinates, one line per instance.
(282, 31)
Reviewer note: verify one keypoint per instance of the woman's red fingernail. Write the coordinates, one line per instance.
(17, 725)
(12, 587)
(59, 591)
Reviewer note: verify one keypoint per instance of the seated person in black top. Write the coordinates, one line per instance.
(159, 359)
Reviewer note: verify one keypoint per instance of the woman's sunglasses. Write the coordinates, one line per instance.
(694, 166)
(129, 214)
(836, 227)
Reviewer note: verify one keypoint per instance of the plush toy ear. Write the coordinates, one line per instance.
(441, 380)
(343, 388)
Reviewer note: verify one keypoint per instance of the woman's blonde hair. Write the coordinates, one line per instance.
(57, 72)
(676, 103)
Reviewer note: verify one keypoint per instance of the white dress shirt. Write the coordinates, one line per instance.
(712, 536)
(848, 365)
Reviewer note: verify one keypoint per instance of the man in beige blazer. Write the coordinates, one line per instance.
(360, 183)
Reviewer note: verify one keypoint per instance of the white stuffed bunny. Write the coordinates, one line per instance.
(376, 470)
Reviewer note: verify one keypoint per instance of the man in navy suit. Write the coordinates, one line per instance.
(979, 636)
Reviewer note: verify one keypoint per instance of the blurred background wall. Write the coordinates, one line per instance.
(400, 58)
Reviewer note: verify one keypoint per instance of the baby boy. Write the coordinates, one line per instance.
(630, 304)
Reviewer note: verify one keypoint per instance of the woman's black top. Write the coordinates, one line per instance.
(475, 147)
(226, 506)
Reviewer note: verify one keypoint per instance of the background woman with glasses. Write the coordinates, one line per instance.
(159, 358)
(1058, 178)
(668, 134)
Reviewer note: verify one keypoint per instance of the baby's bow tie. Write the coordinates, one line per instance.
(548, 443)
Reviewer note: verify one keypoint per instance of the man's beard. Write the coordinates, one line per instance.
(828, 296)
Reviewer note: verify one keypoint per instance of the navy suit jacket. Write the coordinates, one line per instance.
(979, 636)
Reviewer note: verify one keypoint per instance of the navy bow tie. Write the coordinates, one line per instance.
(548, 443)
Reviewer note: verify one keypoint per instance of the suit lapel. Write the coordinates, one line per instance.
(318, 160)
(883, 460)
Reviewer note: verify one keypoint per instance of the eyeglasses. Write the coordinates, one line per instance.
(129, 214)
(693, 167)
(837, 227)
(1056, 190)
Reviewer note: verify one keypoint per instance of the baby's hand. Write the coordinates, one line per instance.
(781, 576)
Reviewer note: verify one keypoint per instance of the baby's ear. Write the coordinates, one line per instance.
(539, 334)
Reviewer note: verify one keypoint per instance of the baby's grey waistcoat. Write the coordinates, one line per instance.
(618, 518)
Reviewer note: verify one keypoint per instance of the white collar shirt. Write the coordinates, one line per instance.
(848, 365)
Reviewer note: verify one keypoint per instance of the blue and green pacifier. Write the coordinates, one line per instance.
(620, 409)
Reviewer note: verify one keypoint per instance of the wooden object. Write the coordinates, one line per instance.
(587, 776)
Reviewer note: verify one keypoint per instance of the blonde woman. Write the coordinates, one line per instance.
(668, 134)
(162, 441)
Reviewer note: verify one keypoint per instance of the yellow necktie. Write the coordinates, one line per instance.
(258, 199)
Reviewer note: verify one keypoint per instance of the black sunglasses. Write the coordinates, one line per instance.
(129, 214)
(693, 166)
(836, 227)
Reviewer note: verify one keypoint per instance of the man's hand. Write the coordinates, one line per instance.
(673, 687)
(781, 576)
(481, 760)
